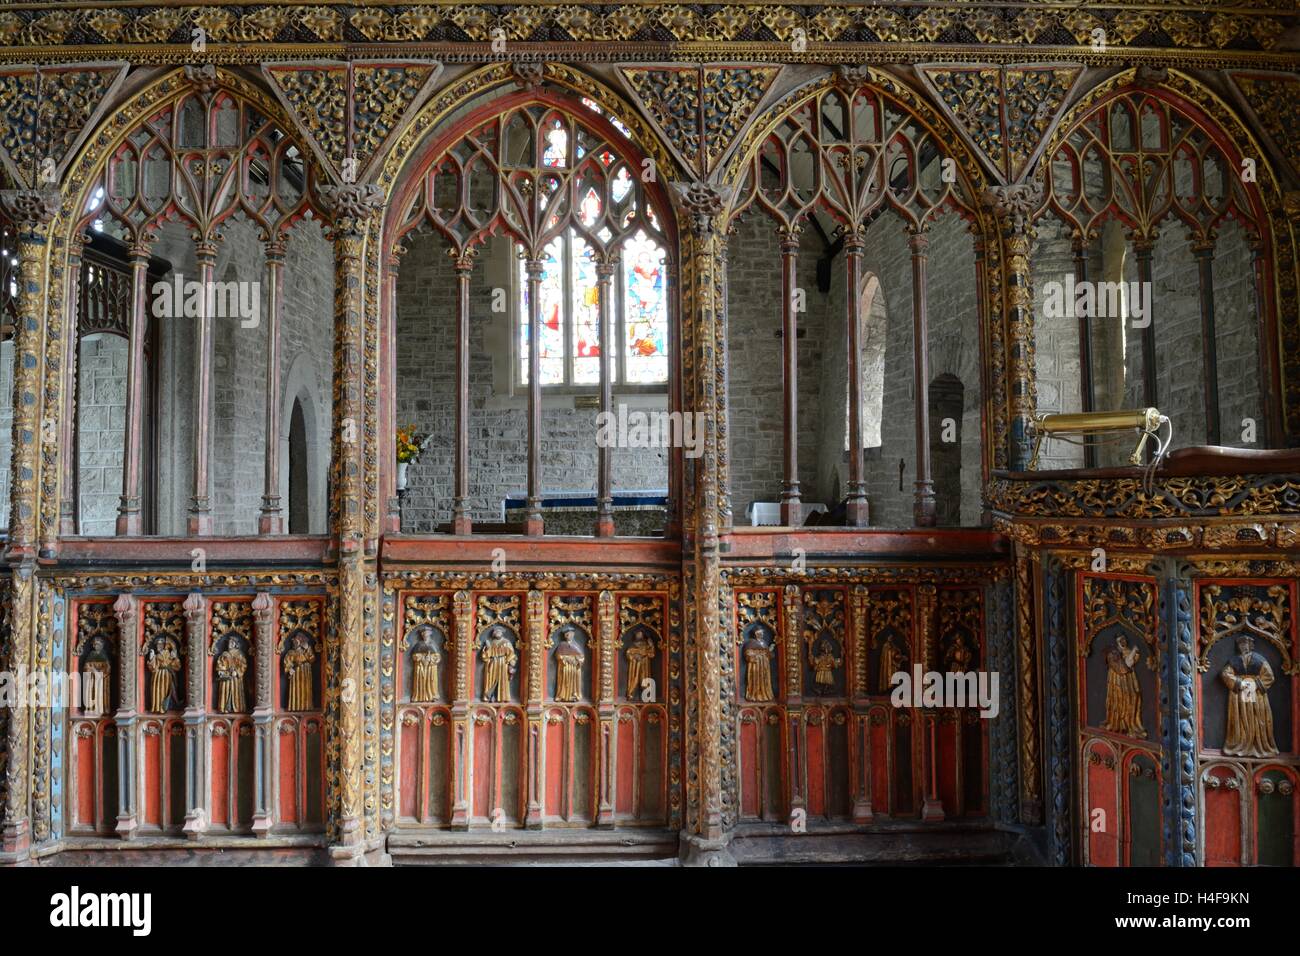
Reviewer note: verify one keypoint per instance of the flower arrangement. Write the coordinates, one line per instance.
(409, 445)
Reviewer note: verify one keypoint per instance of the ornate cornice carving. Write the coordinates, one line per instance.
(1130, 498)
(797, 29)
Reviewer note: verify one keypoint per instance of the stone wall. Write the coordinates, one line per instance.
(101, 371)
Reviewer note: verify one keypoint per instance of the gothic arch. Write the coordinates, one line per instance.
(424, 155)
(86, 174)
(1213, 136)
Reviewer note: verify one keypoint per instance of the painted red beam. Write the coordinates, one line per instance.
(955, 544)
(149, 550)
(517, 551)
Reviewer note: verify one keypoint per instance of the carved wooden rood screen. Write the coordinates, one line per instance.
(267, 637)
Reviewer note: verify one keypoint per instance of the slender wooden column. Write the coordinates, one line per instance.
(1204, 253)
(705, 834)
(263, 713)
(126, 610)
(462, 727)
(354, 207)
(534, 660)
(1143, 250)
(128, 510)
(200, 516)
(726, 518)
(67, 430)
(923, 504)
(460, 516)
(196, 734)
(605, 454)
(607, 669)
(31, 212)
(1013, 208)
(388, 390)
(1087, 397)
(1272, 405)
(791, 650)
(791, 506)
(533, 524)
(857, 507)
(860, 744)
(271, 520)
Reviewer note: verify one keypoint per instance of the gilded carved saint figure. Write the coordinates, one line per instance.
(298, 662)
(639, 655)
(892, 660)
(1123, 695)
(824, 662)
(499, 662)
(164, 665)
(1248, 677)
(758, 665)
(424, 662)
(231, 666)
(959, 656)
(97, 673)
(568, 661)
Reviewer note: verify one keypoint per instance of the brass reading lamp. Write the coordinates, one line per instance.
(1148, 421)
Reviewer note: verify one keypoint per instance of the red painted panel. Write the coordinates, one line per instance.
(219, 779)
(85, 775)
(751, 779)
(625, 765)
(1103, 845)
(288, 773)
(151, 751)
(553, 803)
(484, 770)
(878, 735)
(409, 761)
(1222, 821)
(815, 756)
(947, 765)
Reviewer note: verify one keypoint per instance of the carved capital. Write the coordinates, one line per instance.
(1147, 75)
(528, 76)
(703, 203)
(31, 209)
(350, 205)
(203, 78)
(850, 76)
(1013, 205)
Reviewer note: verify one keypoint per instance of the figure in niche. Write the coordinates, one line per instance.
(892, 660)
(758, 665)
(499, 661)
(96, 675)
(639, 655)
(231, 666)
(824, 663)
(1123, 695)
(164, 664)
(959, 656)
(1250, 719)
(424, 665)
(568, 659)
(297, 662)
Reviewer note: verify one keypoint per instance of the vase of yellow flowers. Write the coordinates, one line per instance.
(410, 447)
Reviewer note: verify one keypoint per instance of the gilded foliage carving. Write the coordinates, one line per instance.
(1257, 612)
(1275, 100)
(43, 112)
(1118, 602)
(1168, 25)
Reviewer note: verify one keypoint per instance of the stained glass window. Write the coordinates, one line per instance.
(570, 331)
(645, 311)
